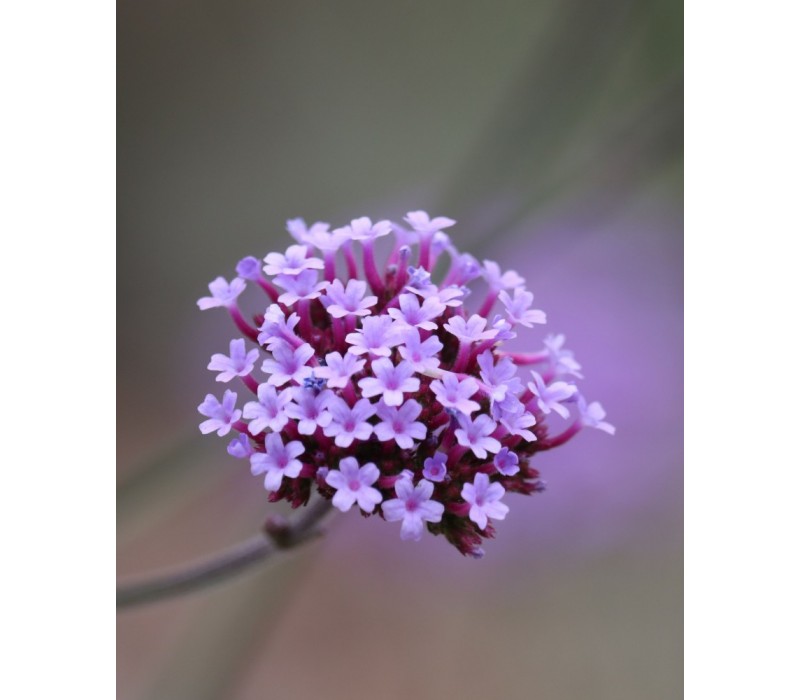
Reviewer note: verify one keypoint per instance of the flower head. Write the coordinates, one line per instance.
(377, 336)
(484, 500)
(592, 415)
(353, 484)
(506, 462)
(349, 423)
(293, 262)
(238, 363)
(518, 308)
(435, 467)
(400, 424)
(299, 286)
(288, 364)
(477, 435)
(222, 293)
(317, 235)
(423, 355)
(497, 280)
(309, 409)
(422, 223)
(268, 413)
(413, 315)
(277, 461)
(390, 381)
(455, 393)
(362, 229)
(393, 392)
(470, 330)
(348, 301)
(551, 397)
(414, 506)
(221, 414)
(339, 368)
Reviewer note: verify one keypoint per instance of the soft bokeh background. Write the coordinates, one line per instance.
(551, 130)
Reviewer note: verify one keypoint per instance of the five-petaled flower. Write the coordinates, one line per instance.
(277, 461)
(414, 506)
(353, 484)
(392, 391)
(239, 363)
(221, 414)
(484, 500)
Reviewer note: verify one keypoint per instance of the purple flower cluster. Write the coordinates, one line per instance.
(377, 385)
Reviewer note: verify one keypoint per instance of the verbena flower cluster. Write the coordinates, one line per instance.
(382, 386)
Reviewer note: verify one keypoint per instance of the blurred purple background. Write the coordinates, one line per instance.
(552, 132)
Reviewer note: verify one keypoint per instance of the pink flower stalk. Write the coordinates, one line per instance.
(393, 393)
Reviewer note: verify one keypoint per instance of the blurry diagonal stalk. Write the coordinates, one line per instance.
(603, 89)
(277, 536)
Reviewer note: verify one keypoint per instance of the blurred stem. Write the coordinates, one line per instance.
(278, 535)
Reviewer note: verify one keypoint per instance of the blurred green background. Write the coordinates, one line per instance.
(552, 131)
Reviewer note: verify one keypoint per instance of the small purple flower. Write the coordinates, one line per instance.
(453, 393)
(452, 296)
(362, 229)
(305, 234)
(222, 293)
(338, 370)
(268, 412)
(399, 424)
(466, 269)
(419, 278)
(349, 423)
(353, 484)
(287, 364)
(550, 398)
(440, 242)
(294, 262)
(414, 507)
(419, 282)
(506, 462)
(377, 336)
(304, 285)
(562, 361)
(505, 330)
(249, 268)
(501, 377)
(507, 406)
(476, 435)
(422, 223)
(498, 280)
(518, 421)
(221, 416)
(278, 461)
(310, 409)
(518, 308)
(239, 363)
(240, 447)
(276, 327)
(484, 499)
(592, 416)
(470, 331)
(412, 315)
(389, 381)
(343, 301)
(513, 414)
(435, 467)
(423, 356)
